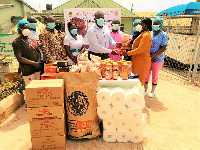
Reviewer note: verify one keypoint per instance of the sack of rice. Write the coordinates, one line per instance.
(81, 104)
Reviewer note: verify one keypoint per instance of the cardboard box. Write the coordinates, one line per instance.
(48, 127)
(63, 69)
(51, 69)
(62, 63)
(47, 76)
(49, 64)
(47, 143)
(45, 112)
(45, 93)
(47, 81)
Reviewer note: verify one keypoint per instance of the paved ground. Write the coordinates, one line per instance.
(173, 117)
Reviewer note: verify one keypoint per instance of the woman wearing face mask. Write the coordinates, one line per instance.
(135, 34)
(117, 37)
(27, 53)
(141, 50)
(73, 43)
(159, 44)
(51, 42)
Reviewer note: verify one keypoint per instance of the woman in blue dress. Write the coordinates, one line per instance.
(159, 44)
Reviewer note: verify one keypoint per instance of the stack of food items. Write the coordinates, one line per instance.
(112, 70)
(54, 67)
(108, 69)
(121, 112)
(85, 65)
(45, 107)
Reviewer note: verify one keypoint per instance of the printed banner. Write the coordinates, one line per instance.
(84, 17)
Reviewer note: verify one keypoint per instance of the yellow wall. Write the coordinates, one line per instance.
(128, 25)
(19, 10)
(146, 14)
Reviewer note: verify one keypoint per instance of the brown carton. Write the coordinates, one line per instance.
(51, 63)
(45, 93)
(47, 127)
(47, 143)
(45, 112)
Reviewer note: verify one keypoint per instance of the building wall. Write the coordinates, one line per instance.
(18, 11)
(128, 25)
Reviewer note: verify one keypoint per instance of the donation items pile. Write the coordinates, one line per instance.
(121, 112)
(108, 69)
(46, 115)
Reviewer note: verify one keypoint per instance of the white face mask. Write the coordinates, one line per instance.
(26, 32)
(139, 28)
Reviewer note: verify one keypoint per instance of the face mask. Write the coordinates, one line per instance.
(100, 22)
(115, 26)
(73, 31)
(134, 29)
(33, 25)
(51, 25)
(139, 28)
(26, 32)
(58, 27)
(156, 27)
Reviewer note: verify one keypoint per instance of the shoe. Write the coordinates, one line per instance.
(25, 107)
(145, 93)
(151, 95)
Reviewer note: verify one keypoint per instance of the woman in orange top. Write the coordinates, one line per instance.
(141, 59)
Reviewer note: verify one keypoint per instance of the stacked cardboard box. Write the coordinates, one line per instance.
(45, 102)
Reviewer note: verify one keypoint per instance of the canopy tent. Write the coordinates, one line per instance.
(183, 9)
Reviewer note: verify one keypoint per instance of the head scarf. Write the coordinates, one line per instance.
(21, 23)
(136, 21)
(160, 20)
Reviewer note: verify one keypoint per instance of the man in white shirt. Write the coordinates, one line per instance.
(99, 38)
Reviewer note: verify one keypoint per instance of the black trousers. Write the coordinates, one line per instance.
(102, 55)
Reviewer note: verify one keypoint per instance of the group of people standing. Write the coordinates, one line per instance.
(33, 49)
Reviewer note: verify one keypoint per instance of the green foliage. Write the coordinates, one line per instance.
(12, 87)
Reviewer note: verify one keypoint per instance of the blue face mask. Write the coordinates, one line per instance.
(156, 27)
(100, 22)
(51, 25)
(73, 31)
(134, 29)
(33, 25)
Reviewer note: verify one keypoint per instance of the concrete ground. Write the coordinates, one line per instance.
(173, 122)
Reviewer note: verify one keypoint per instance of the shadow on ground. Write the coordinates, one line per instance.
(154, 104)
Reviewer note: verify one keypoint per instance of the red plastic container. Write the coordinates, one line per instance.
(46, 76)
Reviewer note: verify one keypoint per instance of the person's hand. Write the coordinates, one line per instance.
(128, 43)
(153, 59)
(114, 52)
(118, 45)
(125, 48)
(37, 65)
(124, 53)
(74, 59)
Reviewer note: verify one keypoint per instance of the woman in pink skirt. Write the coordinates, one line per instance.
(159, 44)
